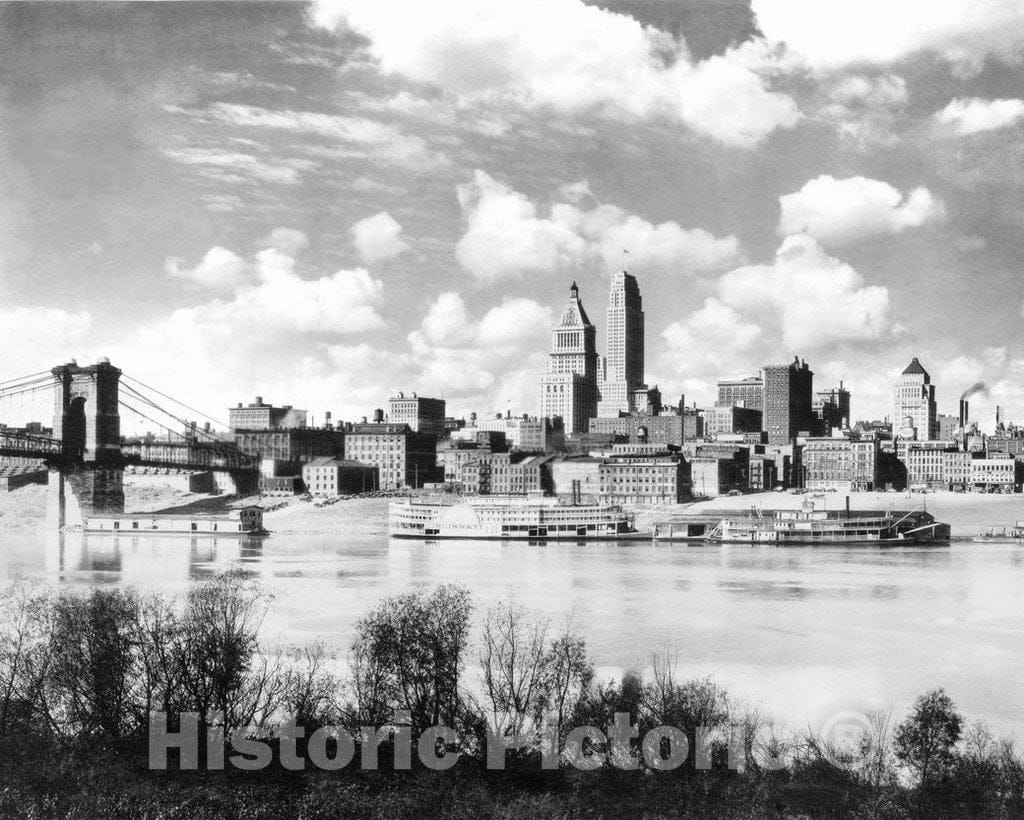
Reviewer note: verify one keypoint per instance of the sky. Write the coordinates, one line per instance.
(324, 204)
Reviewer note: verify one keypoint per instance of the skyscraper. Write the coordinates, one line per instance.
(832, 409)
(624, 364)
(788, 390)
(913, 408)
(569, 387)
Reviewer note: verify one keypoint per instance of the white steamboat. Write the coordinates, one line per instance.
(535, 518)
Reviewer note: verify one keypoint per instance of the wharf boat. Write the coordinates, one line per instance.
(807, 526)
(537, 518)
(242, 521)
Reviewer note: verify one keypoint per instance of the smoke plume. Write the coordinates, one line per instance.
(977, 387)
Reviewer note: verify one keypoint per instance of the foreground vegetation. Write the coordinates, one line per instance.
(80, 675)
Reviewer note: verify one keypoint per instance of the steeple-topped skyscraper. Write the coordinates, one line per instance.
(913, 413)
(624, 364)
(569, 387)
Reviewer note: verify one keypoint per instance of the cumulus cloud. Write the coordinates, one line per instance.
(837, 211)
(466, 358)
(569, 56)
(857, 89)
(378, 237)
(844, 32)
(813, 298)
(219, 269)
(969, 116)
(24, 349)
(507, 236)
(253, 338)
(287, 240)
(715, 335)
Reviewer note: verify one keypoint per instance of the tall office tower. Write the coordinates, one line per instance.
(788, 392)
(832, 409)
(748, 392)
(914, 413)
(624, 364)
(569, 388)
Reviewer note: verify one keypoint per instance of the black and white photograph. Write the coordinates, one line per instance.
(512, 409)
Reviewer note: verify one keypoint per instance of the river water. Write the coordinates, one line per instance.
(801, 632)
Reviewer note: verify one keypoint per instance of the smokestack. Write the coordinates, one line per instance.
(963, 413)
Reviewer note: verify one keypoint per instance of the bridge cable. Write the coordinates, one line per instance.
(215, 444)
(221, 450)
(183, 422)
(25, 388)
(46, 373)
(176, 401)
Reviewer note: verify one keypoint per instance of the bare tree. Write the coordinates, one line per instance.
(24, 614)
(514, 657)
(221, 669)
(567, 675)
(92, 672)
(309, 691)
(409, 653)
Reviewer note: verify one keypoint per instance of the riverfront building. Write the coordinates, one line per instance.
(624, 365)
(402, 457)
(748, 392)
(731, 418)
(914, 413)
(840, 464)
(505, 474)
(569, 387)
(666, 429)
(787, 411)
(640, 480)
(337, 476)
(262, 416)
(423, 415)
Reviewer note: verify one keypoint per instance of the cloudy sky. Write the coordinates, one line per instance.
(327, 203)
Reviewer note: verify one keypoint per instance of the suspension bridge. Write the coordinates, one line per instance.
(86, 453)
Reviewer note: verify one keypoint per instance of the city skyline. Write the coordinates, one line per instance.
(318, 204)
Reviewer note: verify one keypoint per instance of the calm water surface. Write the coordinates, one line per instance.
(802, 632)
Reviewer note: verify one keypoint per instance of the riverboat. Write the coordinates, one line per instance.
(808, 526)
(825, 527)
(507, 519)
(1014, 533)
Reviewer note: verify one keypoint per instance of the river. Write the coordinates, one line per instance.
(803, 633)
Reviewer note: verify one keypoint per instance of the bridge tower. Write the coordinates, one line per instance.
(86, 417)
(87, 420)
